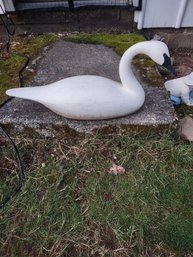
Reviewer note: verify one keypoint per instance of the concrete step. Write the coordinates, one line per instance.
(66, 59)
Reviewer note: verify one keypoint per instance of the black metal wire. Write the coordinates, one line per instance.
(21, 174)
(8, 21)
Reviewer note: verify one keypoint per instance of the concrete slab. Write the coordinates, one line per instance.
(66, 59)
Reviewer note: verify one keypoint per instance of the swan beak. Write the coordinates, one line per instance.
(168, 65)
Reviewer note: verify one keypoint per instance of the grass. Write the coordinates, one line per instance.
(71, 206)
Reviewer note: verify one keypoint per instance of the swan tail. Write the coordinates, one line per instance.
(29, 93)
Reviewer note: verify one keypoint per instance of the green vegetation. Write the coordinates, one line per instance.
(71, 206)
(119, 42)
(13, 61)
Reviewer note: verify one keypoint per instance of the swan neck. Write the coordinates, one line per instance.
(127, 76)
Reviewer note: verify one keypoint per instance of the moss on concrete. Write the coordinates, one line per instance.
(147, 71)
(119, 42)
(13, 61)
(31, 45)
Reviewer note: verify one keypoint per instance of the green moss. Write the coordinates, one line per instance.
(11, 63)
(147, 72)
(119, 42)
(31, 46)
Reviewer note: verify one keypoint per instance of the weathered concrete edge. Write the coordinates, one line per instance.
(61, 124)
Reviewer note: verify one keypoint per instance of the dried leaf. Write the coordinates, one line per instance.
(116, 169)
(3, 141)
(107, 197)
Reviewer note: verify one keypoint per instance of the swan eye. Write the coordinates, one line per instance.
(168, 65)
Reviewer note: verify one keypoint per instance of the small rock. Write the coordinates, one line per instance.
(43, 165)
(30, 70)
(157, 37)
(186, 129)
(34, 62)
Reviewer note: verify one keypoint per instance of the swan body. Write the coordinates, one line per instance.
(90, 97)
(181, 88)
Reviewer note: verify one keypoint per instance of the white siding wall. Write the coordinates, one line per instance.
(188, 17)
(165, 14)
(1, 3)
(8, 5)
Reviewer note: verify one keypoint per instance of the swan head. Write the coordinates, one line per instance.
(168, 65)
(159, 53)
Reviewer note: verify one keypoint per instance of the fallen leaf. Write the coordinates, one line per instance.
(107, 197)
(116, 169)
(3, 141)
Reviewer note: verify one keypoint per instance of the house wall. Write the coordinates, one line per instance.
(2, 5)
(165, 14)
(9, 6)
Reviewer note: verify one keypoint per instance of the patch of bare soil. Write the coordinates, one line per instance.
(183, 62)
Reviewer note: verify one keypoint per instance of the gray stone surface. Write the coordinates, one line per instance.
(185, 130)
(66, 59)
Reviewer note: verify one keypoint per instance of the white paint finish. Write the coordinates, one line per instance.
(181, 13)
(181, 87)
(2, 5)
(93, 97)
(9, 5)
(141, 15)
(187, 20)
(136, 16)
(165, 13)
(135, 2)
(160, 13)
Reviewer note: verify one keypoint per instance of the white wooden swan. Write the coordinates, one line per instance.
(181, 87)
(90, 97)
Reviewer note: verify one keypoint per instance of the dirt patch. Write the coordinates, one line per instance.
(183, 62)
